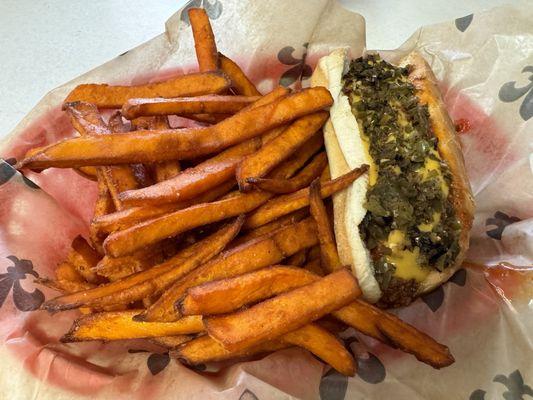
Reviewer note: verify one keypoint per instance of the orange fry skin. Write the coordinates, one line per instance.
(249, 256)
(205, 349)
(328, 249)
(111, 292)
(195, 180)
(204, 40)
(301, 180)
(134, 215)
(283, 205)
(177, 144)
(185, 106)
(324, 345)
(118, 325)
(107, 96)
(226, 295)
(285, 312)
(278, 149)
(131, 239)
(239, 81)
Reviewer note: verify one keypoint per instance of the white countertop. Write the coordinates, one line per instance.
(48, 42)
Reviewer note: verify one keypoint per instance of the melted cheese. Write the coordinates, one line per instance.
(433, 165)
(429, 226)
(405, 261)
(407, 267)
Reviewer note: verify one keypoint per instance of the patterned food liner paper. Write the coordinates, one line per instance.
(484, 63)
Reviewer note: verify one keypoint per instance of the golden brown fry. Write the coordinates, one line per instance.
(166, 169)
(134, 215)
(156, 285)
(301, 180)
(117, 268)
(285, 312)
(250, 256)
(171, 342)
(177, 144)
(297, 259)
(84, 259)
(106, 96)
(239, 81)
(188, 184)
(328, 249)
(129, 240)
(186, 106)
(271, 226)
(230, 294)
(151, 231)
(144, 282)
(205, 349)
(204, 40)
(324, 345)
(278, 149)
(390, 329)
(120, 325)
(282, 205)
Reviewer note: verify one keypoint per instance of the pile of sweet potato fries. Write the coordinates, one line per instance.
(212, 241)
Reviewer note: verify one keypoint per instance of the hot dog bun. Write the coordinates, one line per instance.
(346, 151)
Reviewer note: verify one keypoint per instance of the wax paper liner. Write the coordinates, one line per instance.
(485, 65)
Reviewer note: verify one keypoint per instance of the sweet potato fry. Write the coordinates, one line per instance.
(239, 81)
(204, 40)
(278, 149)
(324, 345)
(250, 256)
(186, 185)
(120, 325)
(282, 205)
(106, 96)
(328, 249)
(390, 329)
(84, 259)
(178, 265)
(151, 231)
(134, 215)
(227, 295)
(171, 342)
(301, 180)
(285, 312)
(166, 169)
(177, 144)
(186, 106)
(146, 233)
(286, 220)
(117, 268)
(205, 349)
(156, 285)
(85, 118)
